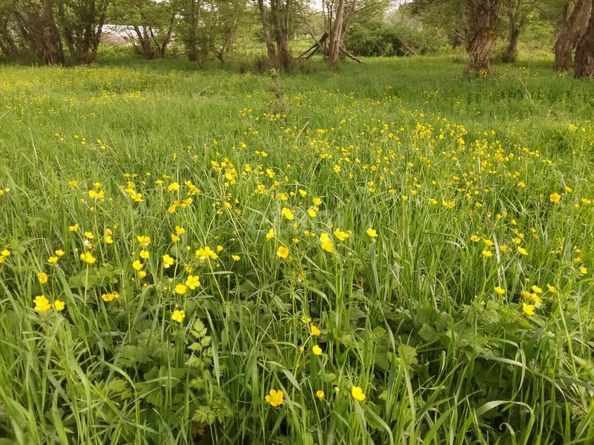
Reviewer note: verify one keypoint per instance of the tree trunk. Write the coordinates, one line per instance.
(266, 31)
(283, 14)
(584, 55)
(335, 35)
(569, 34)
(484, 18)
(51, 42)
(146, 49)
(514, 33)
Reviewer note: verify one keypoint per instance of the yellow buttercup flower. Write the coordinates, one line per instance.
(137, 265)
(555, 197)
(42, 277)
(487, 253)
(235, 257)
(528, 309)
(371, 232)
(167, 261)
(271, 233)
(317, 201)
(282, 252)
(73, 228)
(110, 296)
(206, 253)
(143, 240)
(314, 330)
(358, 394)
(522, 251)
(474, 239)
(316, 350)
(340, 235)
(327, 243)
(59, 305)
(320, 394)
(181, 289)
(536, 289)
(499, 290)
(179, 230)
(178, 315)
(42, 304)
(288, 214)
(583, 270)
(144, 254)
(52, 260)
(87, 257)
(193, 281)
(275, 398)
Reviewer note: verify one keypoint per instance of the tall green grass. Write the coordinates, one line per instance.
(431, 318)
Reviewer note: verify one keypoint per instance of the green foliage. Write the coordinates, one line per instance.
(427, 315)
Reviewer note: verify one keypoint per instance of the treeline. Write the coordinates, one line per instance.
(54, 31)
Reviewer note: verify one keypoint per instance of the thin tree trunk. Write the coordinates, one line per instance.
(514, 33)
(335, 35)
(52, 44)
(584, 55)
(266, 31)
(484, 18)
(569, 34)
(283, 15)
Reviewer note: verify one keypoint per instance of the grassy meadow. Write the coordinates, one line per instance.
(388, 254)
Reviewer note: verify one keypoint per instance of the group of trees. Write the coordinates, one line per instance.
(45, 30)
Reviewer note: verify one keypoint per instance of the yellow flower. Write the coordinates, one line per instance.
(271, 233)
(59, 253)
(193, 281)
(167, 261)
(551, 288)
(499, 290)
(282, 252)
(320, 394)
(340, 235)
(528, 309)
(141, 274)
(235, 257)
(110, 296)
(52, 260)
(73, 228)
(583, 270)
(317, 201)
(316, 350)
(144, 254)
(275, 398)
(522, 251)
(358, 394)
(143, 240)
(179, 230)
(42, 304)
(487, 253)
(219, 248)
(181, 289)
(5, 253)
(305, 319)
(42, 277)
(108, 239)
(96, 195)
(178, 315)
(488, 243)
(474, 239)
(555, 197)
(173, 187)
(137, 265)
(288, 214)
(89, 235)
(87, 257)
(371, 232)
(302, 193)
(206, 253)
(327, 243)
(312, 212)
(59, 305)
(174, 238)
(314, 330)
(536, 289)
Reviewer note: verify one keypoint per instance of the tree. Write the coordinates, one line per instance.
(584, 55)
(518, 12)
(81, 22)
(569, 32)
(266, 30)
(482, 22)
